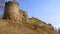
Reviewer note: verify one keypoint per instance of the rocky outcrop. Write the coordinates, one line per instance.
(16, 21)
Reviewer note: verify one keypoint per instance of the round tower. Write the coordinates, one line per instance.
(11, 11)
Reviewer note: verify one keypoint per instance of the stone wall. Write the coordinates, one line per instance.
(23, 16)
(11, 11)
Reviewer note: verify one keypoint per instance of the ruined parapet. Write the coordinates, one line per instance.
(23, 16)
(11, 11)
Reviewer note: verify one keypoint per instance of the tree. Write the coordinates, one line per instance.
(2, 4)
(59, 29)
(14, 0)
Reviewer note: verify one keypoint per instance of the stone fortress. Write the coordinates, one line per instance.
(12, 12)
(16, 21)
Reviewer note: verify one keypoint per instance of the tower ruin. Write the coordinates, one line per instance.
(11, 11)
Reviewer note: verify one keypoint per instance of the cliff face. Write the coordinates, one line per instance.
(16, 21)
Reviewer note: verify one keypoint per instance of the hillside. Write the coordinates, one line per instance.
(16, 21)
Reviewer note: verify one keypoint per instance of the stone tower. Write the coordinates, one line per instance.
(11, 11)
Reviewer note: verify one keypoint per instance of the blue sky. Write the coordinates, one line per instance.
(46, 10)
